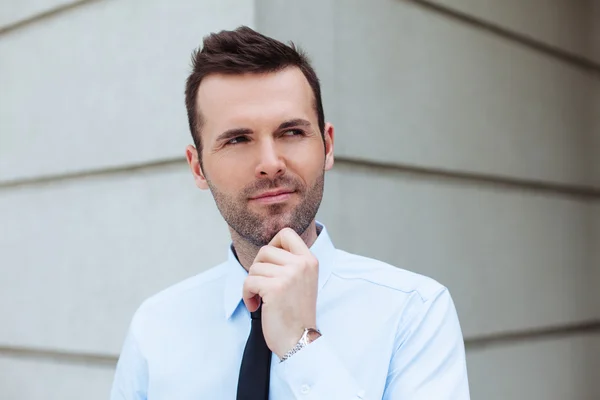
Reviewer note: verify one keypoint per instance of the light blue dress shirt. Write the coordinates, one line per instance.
(387, 334)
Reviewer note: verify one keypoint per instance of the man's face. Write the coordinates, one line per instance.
(263, 155)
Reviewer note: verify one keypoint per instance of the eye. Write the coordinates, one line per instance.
(237, 139)
(293, 132)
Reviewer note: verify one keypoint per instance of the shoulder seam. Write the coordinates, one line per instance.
(382, 285)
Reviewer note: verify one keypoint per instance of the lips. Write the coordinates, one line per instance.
(272, 194)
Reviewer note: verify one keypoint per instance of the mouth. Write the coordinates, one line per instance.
(273, 196)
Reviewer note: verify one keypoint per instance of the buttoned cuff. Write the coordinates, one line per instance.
(315, 372)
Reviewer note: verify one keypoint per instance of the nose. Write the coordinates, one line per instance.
(270, 165)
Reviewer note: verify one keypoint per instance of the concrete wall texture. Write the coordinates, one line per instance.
(468, 149)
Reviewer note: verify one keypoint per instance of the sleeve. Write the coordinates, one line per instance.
(429, 361)
(131, 376)
(328, 379)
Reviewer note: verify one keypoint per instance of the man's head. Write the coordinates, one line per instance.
(262, 146)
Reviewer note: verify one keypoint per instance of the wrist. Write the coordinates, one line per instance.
(308, 336)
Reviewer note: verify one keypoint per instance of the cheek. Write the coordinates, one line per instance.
(307, 162)
(228, 173)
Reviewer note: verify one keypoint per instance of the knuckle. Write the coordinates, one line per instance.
(287, 230)
(311, 262)
(262, 252)
(303, 266)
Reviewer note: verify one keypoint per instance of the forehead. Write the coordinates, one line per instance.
(230, 101)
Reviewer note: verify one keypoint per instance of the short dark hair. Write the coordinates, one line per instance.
(242, 51)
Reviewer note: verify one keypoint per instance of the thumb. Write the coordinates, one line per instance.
(252, 303)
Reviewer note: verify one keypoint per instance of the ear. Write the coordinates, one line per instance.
(191, 154)
(328, 136)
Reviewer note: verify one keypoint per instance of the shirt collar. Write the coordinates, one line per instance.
(322, 248)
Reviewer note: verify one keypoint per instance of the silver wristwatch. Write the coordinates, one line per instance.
(308, 336)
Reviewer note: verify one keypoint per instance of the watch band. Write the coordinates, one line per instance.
(303, 342)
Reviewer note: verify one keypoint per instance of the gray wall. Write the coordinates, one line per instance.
(468, 149)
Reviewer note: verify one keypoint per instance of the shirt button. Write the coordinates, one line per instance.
(305, 389)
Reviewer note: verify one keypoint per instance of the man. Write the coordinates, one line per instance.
(287, 315)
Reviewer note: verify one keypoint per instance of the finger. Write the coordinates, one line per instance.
(253, 303)
(254, 287)
(288, 239)
(274, 255)
(264, 269)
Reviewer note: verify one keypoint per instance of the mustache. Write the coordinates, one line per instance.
(282, 182)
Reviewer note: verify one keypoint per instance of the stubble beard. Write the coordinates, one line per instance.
(258, 229)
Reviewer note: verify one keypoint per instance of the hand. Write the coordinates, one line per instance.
(285, 276)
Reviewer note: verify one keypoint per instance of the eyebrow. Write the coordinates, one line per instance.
(235, 132)
(293, 122)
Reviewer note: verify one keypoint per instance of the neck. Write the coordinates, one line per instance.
(246, 252)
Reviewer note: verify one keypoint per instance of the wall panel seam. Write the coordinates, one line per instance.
(520, 39)
(529, 335)
(586, 193)
(51, 13)
(475, 343)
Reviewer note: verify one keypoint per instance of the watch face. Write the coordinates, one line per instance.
(312, 335)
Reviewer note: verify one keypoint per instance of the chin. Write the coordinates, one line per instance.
(277, 223)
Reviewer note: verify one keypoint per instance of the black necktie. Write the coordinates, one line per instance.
(253, 383)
